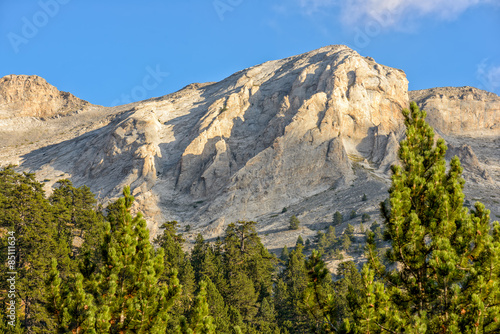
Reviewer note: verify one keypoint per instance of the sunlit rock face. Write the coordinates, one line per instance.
(264, 138)
(312, 133)
(31, 95)
(460, 110)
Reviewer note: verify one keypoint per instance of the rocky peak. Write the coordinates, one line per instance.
(261, 139)
(460, 110)
(312, 132)
(32, 96)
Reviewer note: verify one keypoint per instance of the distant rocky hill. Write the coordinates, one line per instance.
(460, 110)
(311, 133)
(23, 95)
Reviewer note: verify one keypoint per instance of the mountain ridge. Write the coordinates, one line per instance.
(33, 96)
(278, 134)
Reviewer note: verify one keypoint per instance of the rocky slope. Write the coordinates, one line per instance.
(469, 120)
(312, 133)
(23, 95)
(460, 110)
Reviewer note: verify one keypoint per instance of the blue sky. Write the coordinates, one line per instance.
(112, 52)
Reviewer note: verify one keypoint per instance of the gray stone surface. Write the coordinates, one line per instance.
(312, 133)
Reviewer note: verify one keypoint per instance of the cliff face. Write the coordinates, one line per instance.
(312, 133)
(23, 95)
(264, 138)
(460, 110)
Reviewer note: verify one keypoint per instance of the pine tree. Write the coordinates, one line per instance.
(74, 309)
(294, 223)
(289, 297)
(448, 257)
(200, 320)
(349, 231)
(377, 230)
(176, 260)
(348, 237)
(331, 241)
(249, 268)
(26, 213)
(319, 295)
(76, 213)
(218, 308)
(284, 254)
(125, 296)
(266, 312)
(207, 263)
(198, 256)
(337, 218)
(348, 289)
(322, 242)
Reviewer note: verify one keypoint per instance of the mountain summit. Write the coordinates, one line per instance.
(310, 132)
(31, 95)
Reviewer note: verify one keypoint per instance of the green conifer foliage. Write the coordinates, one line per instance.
(200, 320)
(294, 223)
(26, 213)
(448, 258)
(289, 296)
(74, 309)
(128, 283)
(322, 242)
(348, 289)
(249, 268)
(319, 296)
(284, 254)
(346, 242)
(176, 260)
(331, 237)
(337, 218)
(125, 296)
(218, 308)
(207, 262)
(77, 216)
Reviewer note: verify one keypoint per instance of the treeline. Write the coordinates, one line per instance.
(86, 269)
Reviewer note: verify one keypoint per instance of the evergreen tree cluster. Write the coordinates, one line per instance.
(85, 269)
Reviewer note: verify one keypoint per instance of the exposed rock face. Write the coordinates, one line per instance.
(264, 138)
(23, 95)
(468, 161)
(460, 110)
(312, 133)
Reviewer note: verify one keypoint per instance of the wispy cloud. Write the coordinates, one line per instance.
(390, 13)
(489, 76)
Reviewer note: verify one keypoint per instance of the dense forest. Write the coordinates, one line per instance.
(83, 268)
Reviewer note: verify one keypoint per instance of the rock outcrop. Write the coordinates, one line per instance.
(460, 110)
(264, 138)
(312, 133)
(469, 162)
(31, 95)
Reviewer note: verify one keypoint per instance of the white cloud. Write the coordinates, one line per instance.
(489, 76)
(390, 13)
